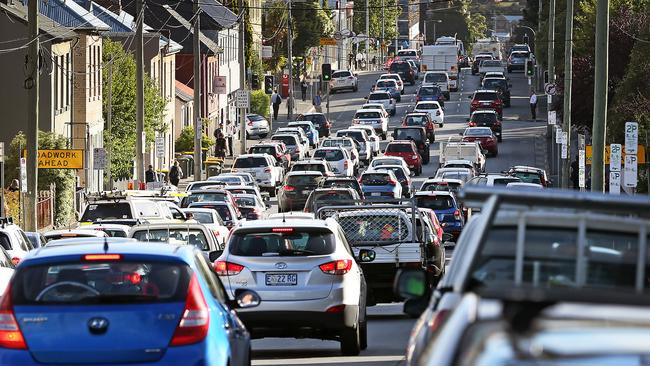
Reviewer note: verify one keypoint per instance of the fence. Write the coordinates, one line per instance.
(45, 208)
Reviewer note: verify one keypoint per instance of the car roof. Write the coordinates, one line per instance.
(379, 92)
(310, 161)
(485, 91)
(443, 180)
(416, 113)
(97, 245)
(253, 156)
(368, 110)
(339, 178)
(304, 172)
(174, 225)
(459, 161)
(98, 233)
(313, 114)
(485, 111)
(280, 222)
(198, 209)
(284, 135)
(434, 193)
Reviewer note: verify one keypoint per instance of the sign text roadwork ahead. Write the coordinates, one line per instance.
(60, 159)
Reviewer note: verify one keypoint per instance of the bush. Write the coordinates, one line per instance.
(260, 102)
(185, 141)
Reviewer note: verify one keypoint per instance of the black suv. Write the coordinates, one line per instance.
(404, 70)
(418, 135)
(500, 85)
(296, 189)
(341, 182)
(319, 120)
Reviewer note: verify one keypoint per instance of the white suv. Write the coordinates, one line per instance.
(263, 168)
(435, 111)
(439, 79)
(372, 135)
(374, 118)
(14, 240)
(360, 136)
(384, 98)
(306, 275)
(343, 79)
(338, 158)
(397, 78)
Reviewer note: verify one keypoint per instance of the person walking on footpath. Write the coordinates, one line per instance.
(316, 102)
(150, 175)
(175, 174)
(276, 100)
(303, 87)
(230, 134)
(220, 146)
(533, 105)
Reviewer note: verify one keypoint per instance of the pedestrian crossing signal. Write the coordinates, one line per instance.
(326, 71)
(268, 84)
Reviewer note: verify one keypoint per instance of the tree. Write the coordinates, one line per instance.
(122, 136)
(311, 22)
(274, 32)
(185, 141)
(391, 12)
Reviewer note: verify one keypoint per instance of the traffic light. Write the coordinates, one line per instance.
(530, 69)
(326, 71)
(546, 77)
(268, 84)
(526, 38)
(255, 82)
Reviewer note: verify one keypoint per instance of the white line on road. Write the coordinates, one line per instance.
(328, 360)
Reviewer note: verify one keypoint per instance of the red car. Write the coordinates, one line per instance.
(408, 151)
(421, 119)
(485, 138)
(486, 99)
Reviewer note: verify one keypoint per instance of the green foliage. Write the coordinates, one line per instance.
(123, 133)
(274, 30)
(63, 179)
(310, 23)
(260, 102)
(388, 18)
(185, 142)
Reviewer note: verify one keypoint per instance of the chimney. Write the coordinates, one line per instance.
(113, 5)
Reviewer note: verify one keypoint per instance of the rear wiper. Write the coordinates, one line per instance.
(296, 252)
(118, 298)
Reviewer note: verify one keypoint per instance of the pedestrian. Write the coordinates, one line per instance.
(230, 133)
(150, 175)
(533, 105)
(175, 174)
(303, 87)
(276, 100)
(220, 147)
(575, 173)
(316, 102)
(350, 60)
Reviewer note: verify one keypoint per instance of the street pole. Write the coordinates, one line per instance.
(32, 84)
(600, 96)
(383, 41)
(551, 42)
(198, 128)
(139, 99)
(367, 34)
(339, 43)
(109, 125)
(290, 49)
(568, 81)
(242, 76)
(538, 46)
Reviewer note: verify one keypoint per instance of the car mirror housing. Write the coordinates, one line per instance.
(366, 255)
(410, 284)
(245, 299)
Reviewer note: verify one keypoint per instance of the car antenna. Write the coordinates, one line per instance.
(284, 218)
(105, 245)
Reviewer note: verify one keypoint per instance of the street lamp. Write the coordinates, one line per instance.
(434, 21)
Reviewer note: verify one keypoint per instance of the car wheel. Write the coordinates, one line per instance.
(383, 136)
(509, 71)
(399, 98)
(402, 92)
(412, 82)
(351, 341)
(364, 332)
(441, 125)
(496, 153)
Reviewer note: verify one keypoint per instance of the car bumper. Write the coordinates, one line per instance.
(516, 66)
(258, 131)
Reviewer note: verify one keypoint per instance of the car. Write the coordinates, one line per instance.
(477, 61)
(257, 126)
(313, 165)
(361, 137)
(7, 269)
(14, 240)
(529, 174)
(73, 233)
(448, 210)
(403, 177)
(380, 184)
(430, 93)
(310, 130)
(250, 206)
(487, 118)
(274, 149)
(384, 98)
(119, 205)
(517, 60)
(501, 85)
(415, 68)
(204, 184)
(408, 151)
(308, 280)
(523, 185)
(261, 166)
(396, 77)
(435, 109)
(348, 144)
(229, 213)
(37, 239)
(496, 75)
(195, 234)
(372, 135)
(409, 55)
(374, 118)
(207, 195)
(418, 136)
(210, 219)
(470, 151)
(342, 182)
(295, 148)
(338, 159)
(249, 180)
(296, 188)
(421, 119)
(228, 180)
(343, 79)
(320, 121)
(441, 184)
(462, 174)
(485, 138)
(321, 197)
(490, 65)
(491, 180)
(486, 99)
(524, 47)
(460, 163)
(404, 70)
(264, 197)
(390, 160)
(380, 106)
(298, 132)
(146, 302)
(439, 79)
(389, 86)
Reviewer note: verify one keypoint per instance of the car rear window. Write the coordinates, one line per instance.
(399, 148)
(486, 118)
(303, 180)
(203, 197)
(245, 201)
(288, 140)
(485, 96)
(332, 196)
(176, 236)
(494, 84)
(519, 55)
(399, 66)
(222, 210)
(203, 217)
(480, 132)
(386, 84)
(250, 162)
(491, 63)
(283, 241)
(262, 150)
(464, 176)
(316, 119)
(100, 282)
(304, 127)
(451, 187)
(408, 133)
(427, 106)
(399, 173)
(379, 96)
(428, 91)
(329, 155)
(367, 115)
(505, 181)
(438, 202)
(407, 53)
(107, 211)
(357, 135)
(341, 74)
(341, 184)
(416, 120)
(307, 167)
(375, 179)
(528, 177)
(255, 117)
(435, 78)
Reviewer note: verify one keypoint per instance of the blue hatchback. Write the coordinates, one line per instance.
(310, 130)
(126, 303)
(446, 207)
(381, 184)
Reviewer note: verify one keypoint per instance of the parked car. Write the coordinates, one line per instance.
(486, 99)
(435, 109)
(404, 70)
(320, 121)
(419, 137)
(296, 188)
(256, 126)
(421, 119)
(310, 130)
(374, 118)
(263, 167)
(380, 184)
(338, 159)
(485, 138)
(487, 118)
(384, 98)
(343, 79)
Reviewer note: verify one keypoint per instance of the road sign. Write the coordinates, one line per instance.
(99, 158)
(242, 99)
(2, 151)
(581, 168)
(630, 171)
(550, 89)
(23, 175)
(565, 152)
(552, 117)
(631, 137)
(60, 159)
(219, 85)
(338, 36)
(640, 155)
(326, 41)
(615, 157)
(558, 134)
(615, 182)
(267, 52)
(160, 147)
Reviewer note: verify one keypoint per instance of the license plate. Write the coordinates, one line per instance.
(281, 279)
(375, 194)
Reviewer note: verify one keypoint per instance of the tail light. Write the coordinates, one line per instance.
(457, 215)
(336, 309)
(414, 157)
(289, 188)
(338, 267)
(417, 98)
(350, 77)
(328, 124)
(438, 319)
(345, 164)
(10, 334)
(392, 182)
(216, 233)
(223, 268)
(194, 324)
(15, 261)
(472, 124)
(355, 121)
(250, 123)
(278, 157)
(437, 113)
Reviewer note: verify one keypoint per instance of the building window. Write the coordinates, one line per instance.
(57, 71)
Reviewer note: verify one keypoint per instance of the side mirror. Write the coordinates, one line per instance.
(366, 255)
(410, 284)
(245, 299)
(215, 254)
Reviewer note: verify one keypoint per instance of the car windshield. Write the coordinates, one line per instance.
(519, 55)
(435, 202)
(386, 84)
(427, 106)
(416, 120)
(176, 236)
(408, 134)
(356, 135)
(262, 150)
(282, 241)
(399, 66)
(478, 132)
(305, 127)
(329, 155)
(528, 177)
(100, 282)
(288, 140)
(303, 180)
(435, 78)
(505, 181)
(485, 96)
(341, 74)
(222, 210)
(375, 179)
(464, 176)
(340, 183)
(401, 148)
(107, 211)
(245, 201)
(250, 162)
(255, 117)
(381, 228)
(427, 90)
(316, 119)
(407, 53)
(488, 118)
(308, 167)
(367, 115)
(379, 96)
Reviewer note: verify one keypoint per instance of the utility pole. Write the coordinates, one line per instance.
(242, 78)
(568, 82)
(109, 126)
(139, 98)
(538, 46)
(383, 41)
(551, 43)
(338, 28)
(289, 47)
(32, 84)
(198, 126)
(367, 33)
(600, 96)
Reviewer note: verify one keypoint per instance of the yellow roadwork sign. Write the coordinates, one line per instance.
(640, 155)
(327, 42)
(61, 159)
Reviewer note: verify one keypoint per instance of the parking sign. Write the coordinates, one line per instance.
(615, 157)
(615, 182)
(631, 138)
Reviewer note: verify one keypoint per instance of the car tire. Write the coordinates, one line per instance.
(392, 113)
(509, 71)
(351, 340)
(402, 92)
(496, 153)
(263, 136)
(363, 329)
(441, 125)
(383, 137)
(447, 96)
(412, 82)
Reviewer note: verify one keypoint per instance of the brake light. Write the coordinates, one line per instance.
(282, 230)
(15, 261)
(392, 182)
(10, 334)
(328, 124)
(250, 123)
(438, 319)
(336, 309)
(437, 113)
(338, 267)
(472, 124)
(345, 164)
(216, 233)
(102, 257)
(414, 157)
(417, 98)
(355, 121)
(194, 324)
(289, 188)
(457, 215)
(350, 77)
(223, 268)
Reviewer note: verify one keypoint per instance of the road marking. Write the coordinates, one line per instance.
(328, 360)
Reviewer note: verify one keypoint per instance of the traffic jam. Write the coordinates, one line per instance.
(320, 222)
